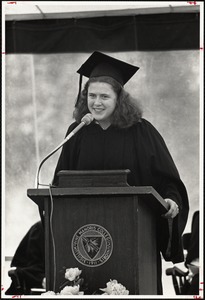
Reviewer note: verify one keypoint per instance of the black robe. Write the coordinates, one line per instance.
(142, 150)
(29, 260)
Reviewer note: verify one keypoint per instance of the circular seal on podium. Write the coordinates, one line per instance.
(92, 245)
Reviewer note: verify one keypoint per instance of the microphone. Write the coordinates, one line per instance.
(86, 120)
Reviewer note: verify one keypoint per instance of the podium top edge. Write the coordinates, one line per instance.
(94, 172)
(141, 191)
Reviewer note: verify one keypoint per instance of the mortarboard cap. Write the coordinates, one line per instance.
(99, 64)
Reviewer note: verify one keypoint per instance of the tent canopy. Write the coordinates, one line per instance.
(48, 28)
(31, 11)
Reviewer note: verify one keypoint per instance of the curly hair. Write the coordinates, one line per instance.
(127, 111)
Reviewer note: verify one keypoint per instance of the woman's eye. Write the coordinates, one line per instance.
(91, 96)
(104, 96)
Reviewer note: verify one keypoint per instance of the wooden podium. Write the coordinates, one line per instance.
(95, 221)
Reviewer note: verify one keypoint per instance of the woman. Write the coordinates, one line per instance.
(119, 138)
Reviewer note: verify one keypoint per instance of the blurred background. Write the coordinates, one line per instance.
(41, 86)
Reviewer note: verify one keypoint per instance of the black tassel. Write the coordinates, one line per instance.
(79, 90)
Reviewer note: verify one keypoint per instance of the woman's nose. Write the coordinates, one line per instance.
(98, 100)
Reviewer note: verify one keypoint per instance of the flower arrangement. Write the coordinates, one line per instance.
(73, 284)
(114, 288)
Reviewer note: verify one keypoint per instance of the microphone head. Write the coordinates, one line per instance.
(87, 119)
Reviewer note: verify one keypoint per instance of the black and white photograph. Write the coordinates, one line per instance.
(102, 150)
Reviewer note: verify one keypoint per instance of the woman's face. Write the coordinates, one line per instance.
(101, 102)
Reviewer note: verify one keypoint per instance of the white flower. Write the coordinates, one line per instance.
(71, 290)
(49, 293)
(72, 273)
(114, 288)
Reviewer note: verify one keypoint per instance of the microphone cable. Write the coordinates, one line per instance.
(52, 239)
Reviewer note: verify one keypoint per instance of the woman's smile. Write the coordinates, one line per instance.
(98, 109)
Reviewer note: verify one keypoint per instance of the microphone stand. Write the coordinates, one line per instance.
(56, 149)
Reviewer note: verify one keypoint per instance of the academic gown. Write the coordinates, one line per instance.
(29, 260)
(141, 149)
